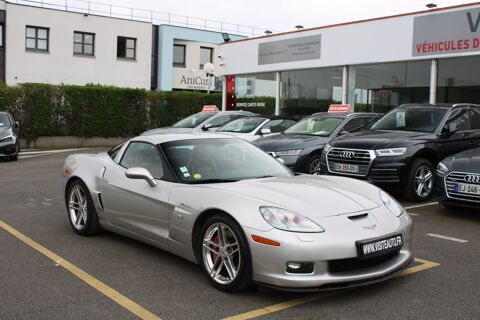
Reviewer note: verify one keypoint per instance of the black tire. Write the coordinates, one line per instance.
(313, 161)
(243, 279)
(410, 191)
(91, 226)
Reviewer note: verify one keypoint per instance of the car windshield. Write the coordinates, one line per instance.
(417, 119)
(197, 161)
(244, 125)
(315, 126)
(4, 121)
(194, 120)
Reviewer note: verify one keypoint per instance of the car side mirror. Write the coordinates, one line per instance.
(17, 125)
(265, 131)
(207, 126)
(343, 132)
(141, 173)
(450, 129)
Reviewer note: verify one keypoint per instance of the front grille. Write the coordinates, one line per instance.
(459, 177)
(356, 264)
(362, 158)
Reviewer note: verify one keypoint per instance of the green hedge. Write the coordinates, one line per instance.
(49, 110)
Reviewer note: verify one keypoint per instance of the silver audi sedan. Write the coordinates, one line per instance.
(240, 214)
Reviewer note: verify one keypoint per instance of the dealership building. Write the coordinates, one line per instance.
(423, 57)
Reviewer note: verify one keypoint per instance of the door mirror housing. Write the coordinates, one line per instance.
(17, 125)
(450, 129)
(265, 131)
(141, 173)
(207, 126)
(343, 132)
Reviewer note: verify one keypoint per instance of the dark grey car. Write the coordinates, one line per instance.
(9, 141)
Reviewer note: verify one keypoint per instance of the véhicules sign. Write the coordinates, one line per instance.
(444, 33)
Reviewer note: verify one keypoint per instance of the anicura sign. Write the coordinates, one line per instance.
(444, 33)
(194, 80)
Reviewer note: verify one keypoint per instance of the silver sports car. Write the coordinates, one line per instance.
(245, 218)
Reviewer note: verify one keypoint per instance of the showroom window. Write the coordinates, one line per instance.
(255, 92)
(179, 51)
(83, 43)
(382, 87)
(126, 48)
(309, 91)
(1, 35)
(458, 80)
(36, 38)
(206, 55)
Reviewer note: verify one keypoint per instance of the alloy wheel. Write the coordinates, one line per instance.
(423, 182)
(314, 167)
(78, 207)
(221, 253)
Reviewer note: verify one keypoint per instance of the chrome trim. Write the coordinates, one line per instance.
(372, 157)
(460, 179)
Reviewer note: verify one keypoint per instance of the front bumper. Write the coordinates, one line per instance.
(442, 196)
(8, 149)
(390, 171)
(324, 250)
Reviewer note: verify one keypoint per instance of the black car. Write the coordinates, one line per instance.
(9, 141)
(403, 147)
(457, 179)
(300, 146)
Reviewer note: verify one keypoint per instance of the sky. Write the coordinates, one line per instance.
(284, 15)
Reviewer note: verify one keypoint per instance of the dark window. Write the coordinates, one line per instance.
(353, 125)
(83, 43)
(36, 38)
(475, 118)
(206, 55)
(462, 118)
(179, 55)
(113, 152)
(278, 125)
(1, 35)
(126, 48)
(143, 155)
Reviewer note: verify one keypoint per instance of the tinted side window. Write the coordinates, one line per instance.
(354, 125)
(143, 155)
(475, 119)
(462, 118)
(278, 125)
(113, 152)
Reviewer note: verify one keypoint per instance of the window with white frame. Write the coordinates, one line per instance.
(36, 38)
(126, 48)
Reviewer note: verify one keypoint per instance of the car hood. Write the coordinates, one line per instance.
(5, 131)
(378, 139)
(289, 142)
(310, 196)
(466, 161)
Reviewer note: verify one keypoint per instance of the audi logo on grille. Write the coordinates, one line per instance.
(347, 154)
(472, 178)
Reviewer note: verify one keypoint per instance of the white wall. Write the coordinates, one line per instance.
(192, 65)
(60, 65)
(384, 40)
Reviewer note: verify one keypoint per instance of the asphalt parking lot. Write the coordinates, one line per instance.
(48, 272)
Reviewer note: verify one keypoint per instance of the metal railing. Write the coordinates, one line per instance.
(154, 17)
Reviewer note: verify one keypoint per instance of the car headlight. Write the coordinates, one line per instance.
(295, 152)
(285, 220)
(391, 204)
(327, 148)
(391, 152)
(442, 169)
(7, 138)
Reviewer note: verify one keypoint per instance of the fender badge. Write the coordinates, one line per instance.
(371, 227)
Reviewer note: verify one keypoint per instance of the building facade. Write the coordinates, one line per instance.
(375, 65)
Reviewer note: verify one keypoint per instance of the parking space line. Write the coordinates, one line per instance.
(422, 205)
(111, 293)
(434, 235)
(318, 296)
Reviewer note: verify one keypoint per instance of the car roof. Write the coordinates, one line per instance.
(167, 137)
(248, 113)
(439, 105)
(344, 114)
(273, 117)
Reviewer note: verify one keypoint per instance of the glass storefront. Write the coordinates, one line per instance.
(382, 87)
(459, 80)
(309, 91)
(255, 92)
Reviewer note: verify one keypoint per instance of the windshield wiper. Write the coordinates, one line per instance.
(212, 181)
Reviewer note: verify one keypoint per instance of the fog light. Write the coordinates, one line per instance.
(299, 267)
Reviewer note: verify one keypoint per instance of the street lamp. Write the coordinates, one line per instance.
(208, 68)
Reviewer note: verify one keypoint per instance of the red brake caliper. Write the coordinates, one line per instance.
(214, 255)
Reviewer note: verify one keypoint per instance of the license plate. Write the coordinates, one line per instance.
(467, 188)
(351, 168)
(378, 247)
